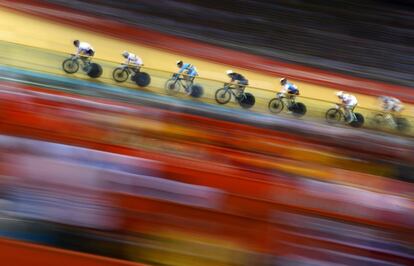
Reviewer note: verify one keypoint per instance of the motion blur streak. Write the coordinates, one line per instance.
(19, 253)
(149, 184)
(98, 172)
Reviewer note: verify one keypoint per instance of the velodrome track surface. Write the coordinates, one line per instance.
(38, 32)
(26, 45)
(176, 45)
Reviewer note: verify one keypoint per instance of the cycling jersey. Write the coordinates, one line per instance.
(290, 88)
(85, 48)
(190, 70)
(349, 100)
(239, 78)
(133, 59)
(392, 104)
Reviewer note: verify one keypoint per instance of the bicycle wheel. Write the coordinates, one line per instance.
(359, 120)
(377, 120)
(70, 66)
(333, 115)
(402, 124)
(222, 96)
(247, 101)
(120, 74)
(299, 109)
(196, 91)
(142, 79)
(172, 86)
(94, 71)
(275, 105)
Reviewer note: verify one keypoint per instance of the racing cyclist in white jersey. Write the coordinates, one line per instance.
(131, 58)
(83, 49)
(133, 61)
(391, 104)
(349, 102)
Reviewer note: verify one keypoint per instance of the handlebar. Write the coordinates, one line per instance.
(340, 106)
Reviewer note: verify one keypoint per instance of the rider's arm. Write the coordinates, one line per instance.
(181, 70)
(78, 50)
(285, 88)
(235, 78)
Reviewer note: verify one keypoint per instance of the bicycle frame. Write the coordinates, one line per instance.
(78, 58)
(131, 68)
(388, 118)
(288, 101)
(181, 79)
(230, 87)
(341, 109)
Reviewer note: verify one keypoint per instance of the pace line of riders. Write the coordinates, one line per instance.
(390, 105)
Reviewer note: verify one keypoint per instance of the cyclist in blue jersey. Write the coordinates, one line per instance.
(190, 72)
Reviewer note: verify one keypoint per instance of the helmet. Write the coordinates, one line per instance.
(179, 63)
(228, 72)
(283, 81)
(76, 43)
(125, 54)
(340, 94)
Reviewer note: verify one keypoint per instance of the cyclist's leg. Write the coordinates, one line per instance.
(88, 56)
(291, 98)
(189, 81)
(132, 68)
(240, 88)
(85, 61)
(349, 113)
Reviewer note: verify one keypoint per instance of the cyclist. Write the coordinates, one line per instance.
(348, 102)
(289, 88)
(131, 58)
(391, 104)
(239, 79)
(83, 49)
(190, 71)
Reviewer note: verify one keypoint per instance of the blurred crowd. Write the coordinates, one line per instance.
(169, 188)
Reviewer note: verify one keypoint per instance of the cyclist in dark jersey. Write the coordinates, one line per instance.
(239, 79)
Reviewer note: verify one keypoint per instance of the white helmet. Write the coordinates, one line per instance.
(340, 94)
(179, 63)
(125, 54)
(283, 81)
(228, 72)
